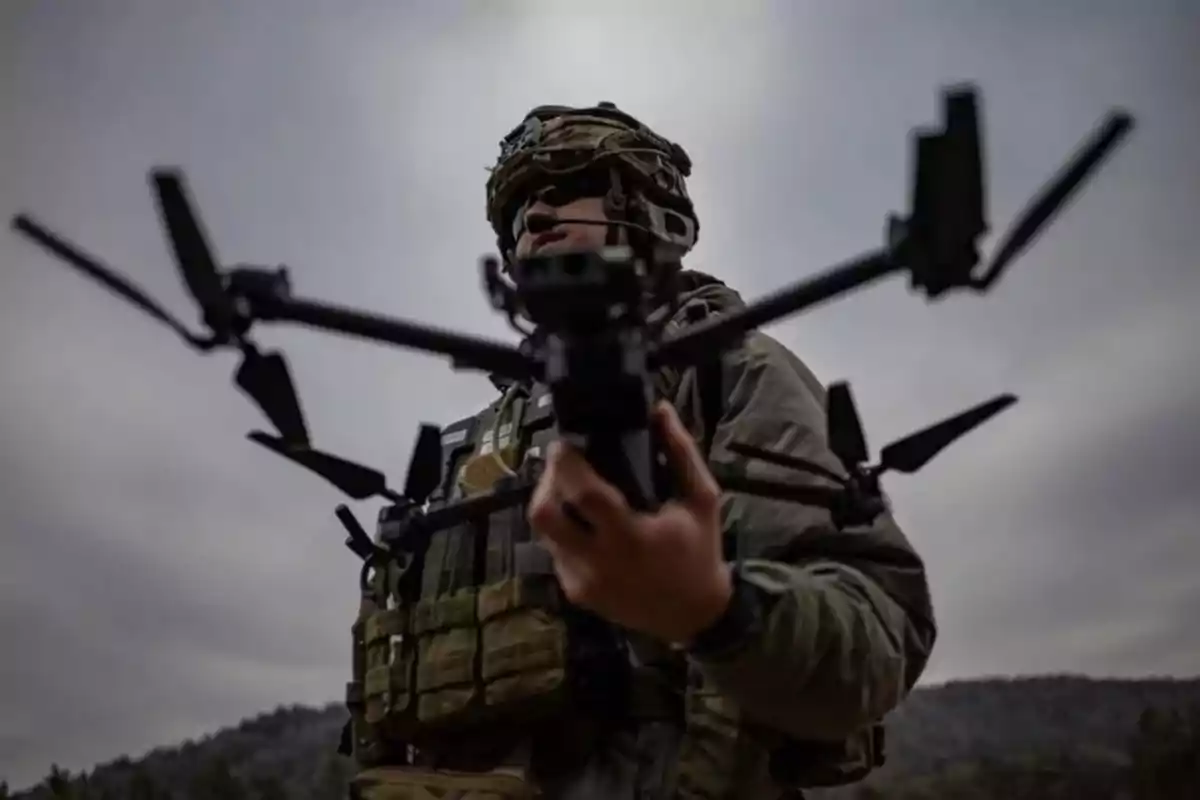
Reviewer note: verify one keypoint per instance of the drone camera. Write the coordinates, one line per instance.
(580, 292)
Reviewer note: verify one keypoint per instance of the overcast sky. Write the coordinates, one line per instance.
(161, 577)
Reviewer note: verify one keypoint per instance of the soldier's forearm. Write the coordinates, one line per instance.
(828, 658)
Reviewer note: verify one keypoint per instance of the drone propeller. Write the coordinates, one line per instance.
(111, 279)
(360, 482)
(194, 255)
(937, 242)
(263, 376)
(848, 441)
(907, 455)
(424, 465)
(1054, 195)
(914, 451)
(355, 480)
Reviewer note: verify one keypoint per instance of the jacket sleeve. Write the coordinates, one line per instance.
(848, 624)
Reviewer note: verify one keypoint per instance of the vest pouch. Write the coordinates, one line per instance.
(447, 642)
(378, 697)
(524, 646)
(414, 783)
(387, 678)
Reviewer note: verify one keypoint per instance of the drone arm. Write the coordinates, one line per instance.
(721, 332)
(271, 302)
(500, 498)
(736, 481)
(846, 614)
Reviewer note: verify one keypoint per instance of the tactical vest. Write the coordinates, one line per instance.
(469, 646)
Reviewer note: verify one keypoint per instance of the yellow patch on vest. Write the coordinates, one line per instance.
(495, 457)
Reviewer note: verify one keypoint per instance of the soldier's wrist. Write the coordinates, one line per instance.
(737, 625)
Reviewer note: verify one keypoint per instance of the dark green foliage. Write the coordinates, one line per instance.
(1028, 739)
(266, 787)
(1165, 755)
(143, 787)
(216, 781)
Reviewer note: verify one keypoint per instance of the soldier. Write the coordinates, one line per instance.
(723, 647)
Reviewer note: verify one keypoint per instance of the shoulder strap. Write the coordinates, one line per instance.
(710, 383)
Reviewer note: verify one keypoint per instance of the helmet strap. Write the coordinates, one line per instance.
(616, 207)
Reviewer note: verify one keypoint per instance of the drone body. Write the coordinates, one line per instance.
(438, 613)
(592, 348)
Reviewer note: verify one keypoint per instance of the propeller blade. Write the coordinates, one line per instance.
(965, 156)
(106, 276)
(1057, 192)
(425, 465)
(916, 450)
(355, 480)
(192, 251)
(784, 460)
(267, 380)
(846, 437)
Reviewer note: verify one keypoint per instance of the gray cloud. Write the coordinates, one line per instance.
(161, 577)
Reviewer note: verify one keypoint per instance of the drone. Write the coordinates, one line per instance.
(592, 346)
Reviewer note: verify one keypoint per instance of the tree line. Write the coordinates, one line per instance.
(1161, 762)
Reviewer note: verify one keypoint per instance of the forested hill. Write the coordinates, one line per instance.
(1051, 737)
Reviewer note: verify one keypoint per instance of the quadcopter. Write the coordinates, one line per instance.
(592, 346)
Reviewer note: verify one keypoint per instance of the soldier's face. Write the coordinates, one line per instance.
(565, 236)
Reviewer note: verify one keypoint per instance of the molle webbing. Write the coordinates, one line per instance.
(486, 650)
(400, 783)
(484, 642)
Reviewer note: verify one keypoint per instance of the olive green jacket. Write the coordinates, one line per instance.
(849, 625)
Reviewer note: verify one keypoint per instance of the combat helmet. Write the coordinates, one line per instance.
(640, 174)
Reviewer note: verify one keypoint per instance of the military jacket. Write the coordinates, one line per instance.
(474, 679)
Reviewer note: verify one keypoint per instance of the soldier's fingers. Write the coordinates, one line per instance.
(550, 521)
(600, 504)
(551, 517)
(700, 489)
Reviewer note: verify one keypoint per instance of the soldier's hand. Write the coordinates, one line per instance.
(662, 574)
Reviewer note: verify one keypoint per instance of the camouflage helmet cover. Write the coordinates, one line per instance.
(555, 142)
